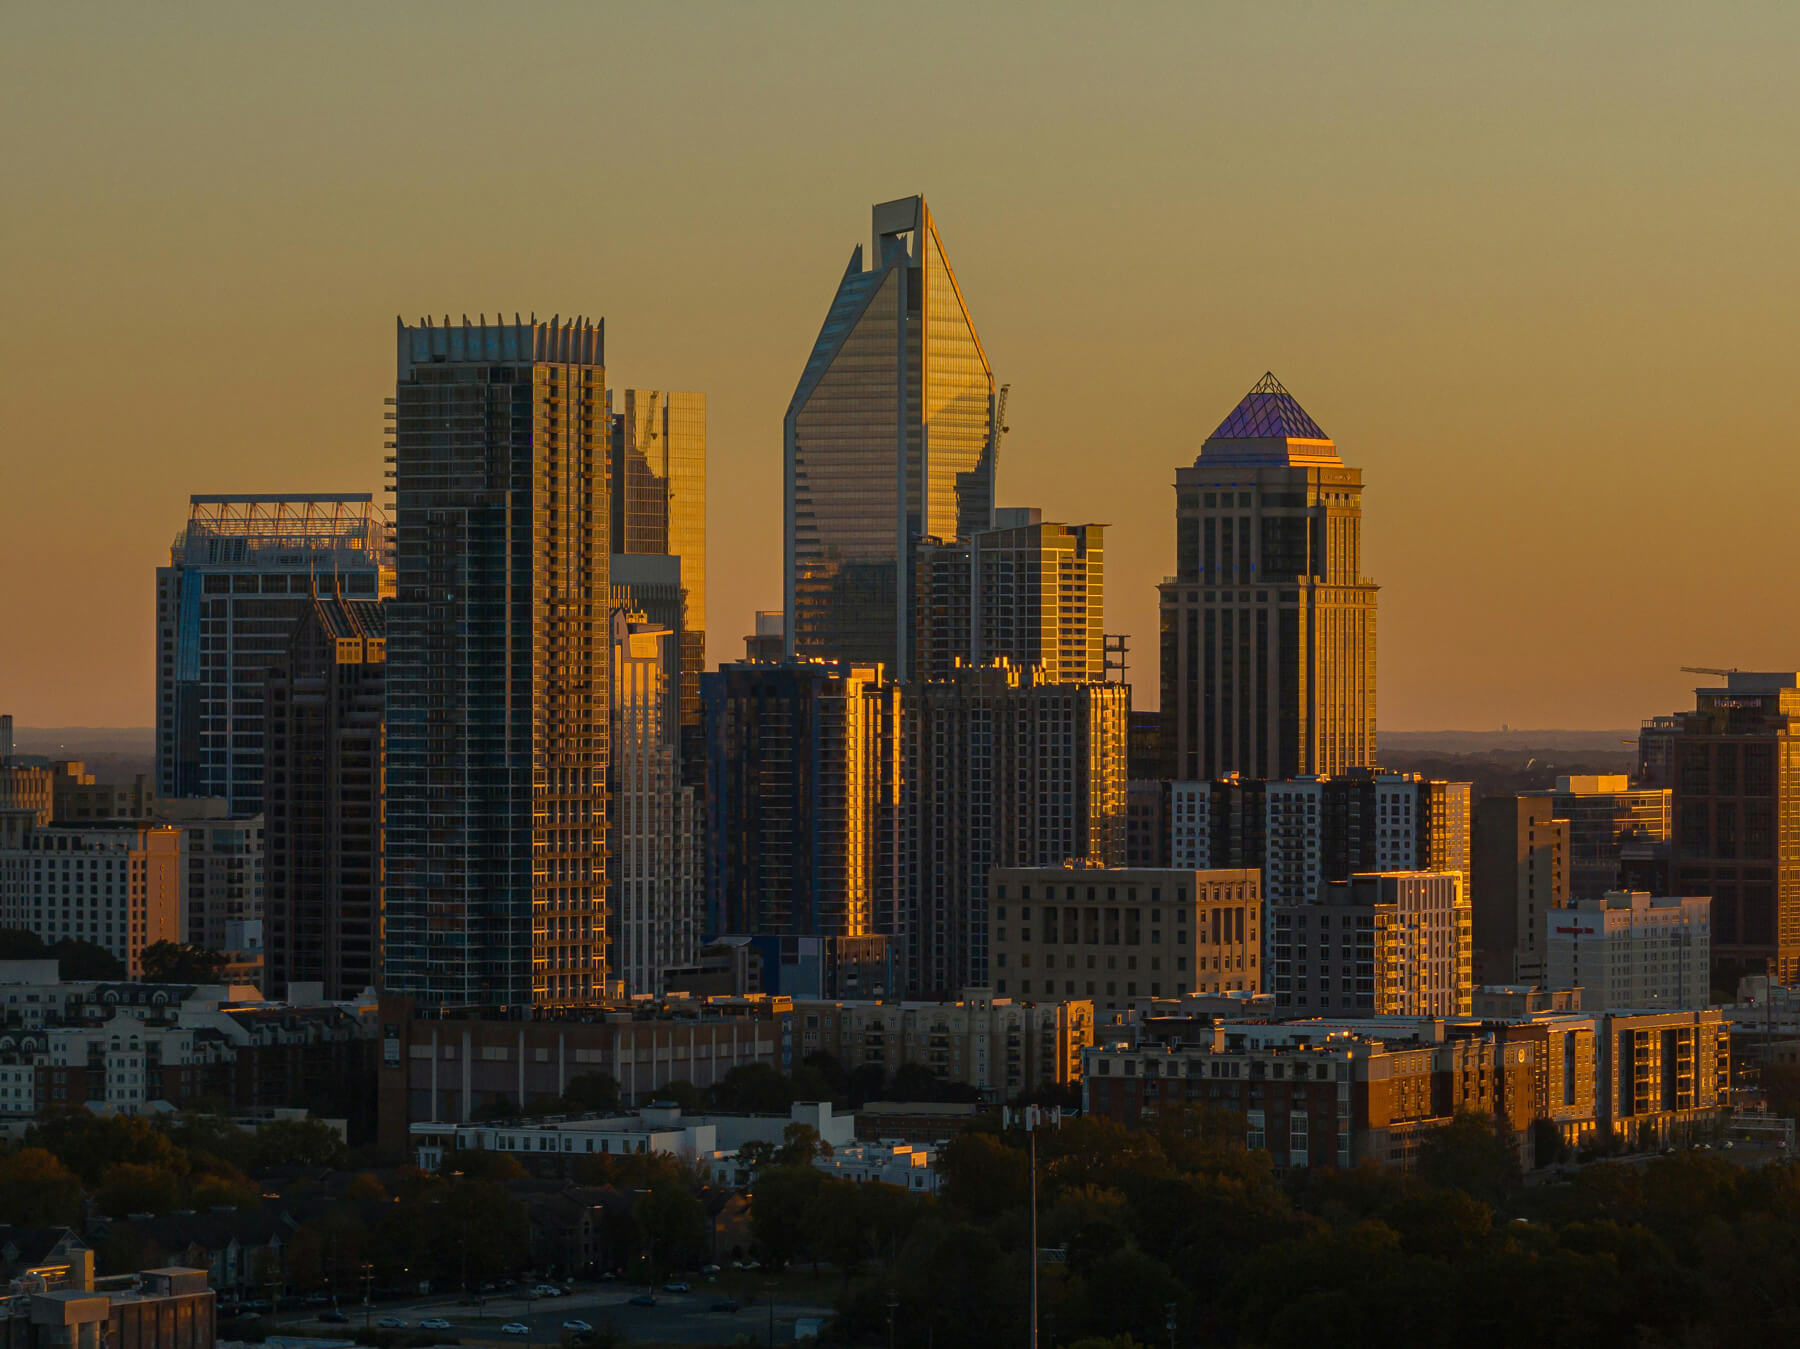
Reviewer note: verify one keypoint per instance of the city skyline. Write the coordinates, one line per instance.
(1524, 290)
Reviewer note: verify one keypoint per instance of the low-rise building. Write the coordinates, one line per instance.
(1629, 949)
(999, 1046)
(908, 1166)
(171, 1308)
(1117, 934)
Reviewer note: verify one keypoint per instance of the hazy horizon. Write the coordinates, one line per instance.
(1529, 267)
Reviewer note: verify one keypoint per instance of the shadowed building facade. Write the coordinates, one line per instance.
(498, 689)
(1268, 625)
(889, 439)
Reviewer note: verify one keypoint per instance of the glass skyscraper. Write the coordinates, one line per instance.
(1268, 625)
(659, 507)
(890, 438)
(497, 666)
(241, 574)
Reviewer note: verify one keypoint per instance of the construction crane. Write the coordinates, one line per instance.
(1000, 426)
(1706, 669)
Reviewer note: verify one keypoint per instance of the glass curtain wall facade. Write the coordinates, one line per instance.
(889, 440)
(659, 507)
(1268, 626)
(241, 574)
(498, 688)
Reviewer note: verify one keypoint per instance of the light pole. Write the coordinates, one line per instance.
(368, 1276)
(1169, 1324)
(893, 1305)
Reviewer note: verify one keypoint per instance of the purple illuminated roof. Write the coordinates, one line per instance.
(1269, 410)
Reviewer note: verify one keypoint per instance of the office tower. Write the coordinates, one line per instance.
(1003, 769)
(497, 666)
(889, 439)
(1304, 833)
(1736, 814)
(1631, 950)
(658, 494)
(1521, 872)
(1656, 751)
(654, 821)
(221, 870)
(765, 643)
(1146, 822)
(1268, 625)
(77, 797)
(324, 802)
(26, 785)
(1117, 934)
(1146, 744)
(117, 886)
(240, 574)
(1028, 591)
(1606, 814)
(650, 584)
(803, 801)
(1383, 944)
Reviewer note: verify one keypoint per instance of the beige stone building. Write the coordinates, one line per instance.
(1116, 934)
(1000, 1047)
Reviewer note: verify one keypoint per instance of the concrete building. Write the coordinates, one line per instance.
(1001, 1047)
(1268, 625)
(656, 823)
(78, 799)
(1004, 769)
(1631, 950)
(891, 438)
(803, 802)
(765, 643)
(324, 801)
(221, 868)
(1114, 935)
(241, 572)
(117, 886)
(1027, 591)
(497, 654)
(1521, 864)
(1736, 804)
(1385, 944)
(1606, 816)
(167, 1308)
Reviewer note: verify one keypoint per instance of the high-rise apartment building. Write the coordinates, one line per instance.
(1115, 935)
(117, 886)
(1031, 592)
(1737, 821)
(1606, 814)
(658, 493)
(1387, 944)
(221, 870)
(803, 801)
(26, 785)
(497, 683)
(1631, 950)
(1521, 873)
(1303, 833)
(324, 802)
(1004, 768)
(653, 844)
(1268, 625)
(889, 440)
(241, 573)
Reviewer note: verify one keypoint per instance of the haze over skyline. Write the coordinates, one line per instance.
(1530, 270)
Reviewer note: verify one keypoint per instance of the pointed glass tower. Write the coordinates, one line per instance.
(889, 440)
(1268, 625)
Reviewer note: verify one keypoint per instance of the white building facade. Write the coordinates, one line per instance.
(1632, 950)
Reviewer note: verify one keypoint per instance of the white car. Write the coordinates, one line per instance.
(515, 1328)
(581, 1326)
(433, 1323)
(391, 1322)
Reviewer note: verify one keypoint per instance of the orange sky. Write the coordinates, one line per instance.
(1532, 266)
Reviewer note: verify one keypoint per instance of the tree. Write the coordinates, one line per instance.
(1470, 1154)
(480, 1232)
(88, 1144)
(779, 1209)
(800, 1144)
(37, 1190)
(297, 1142)
(218, 1189)
(480, 1164)
(131, 1187)
(683, 1093)
(593, 1092)
(982, 1175)
(77, 959)
(755, 1089)
(366, 1188)
(167, 962)
(671, 1228)
(18, 943)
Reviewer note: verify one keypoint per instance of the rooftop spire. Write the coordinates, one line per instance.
(1268, 411)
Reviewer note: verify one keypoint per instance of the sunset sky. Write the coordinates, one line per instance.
(1534, 267)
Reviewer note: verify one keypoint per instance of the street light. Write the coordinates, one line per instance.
(1169, 1324)
(893, 1305)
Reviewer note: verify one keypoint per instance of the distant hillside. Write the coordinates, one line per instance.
(111, 753)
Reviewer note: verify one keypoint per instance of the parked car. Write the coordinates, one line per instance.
(643, 1300)
(392, 1322)
(434, 1323)
(582, 1326)
(675, 1286)
(515, 1328)
(709, 1269)
(547, 1290)
(726, 1304)
(334, 1316)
